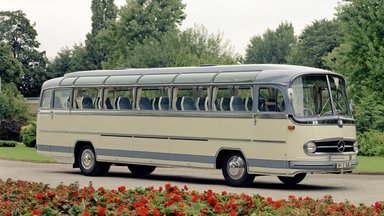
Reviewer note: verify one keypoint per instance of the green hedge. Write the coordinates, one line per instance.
(371, 143)
(7, 143)
(28, 134)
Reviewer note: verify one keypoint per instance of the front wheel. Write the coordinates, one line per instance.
(88, 164)
(235, 172)
(141, 170)
(294, 180)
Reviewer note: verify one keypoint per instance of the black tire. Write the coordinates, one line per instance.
(141, 170)
(292, 181)
(88, 164)
(235, 171)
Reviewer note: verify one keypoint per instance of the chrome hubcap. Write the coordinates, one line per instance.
(87, 159)
(236, 167)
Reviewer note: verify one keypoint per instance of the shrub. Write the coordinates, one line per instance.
(8, 143)
(10, 129)
(28, 134)
(371, 143)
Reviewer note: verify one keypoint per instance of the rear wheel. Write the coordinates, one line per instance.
(141, 170)
(235, 172)
(294, 180)
(88, 164)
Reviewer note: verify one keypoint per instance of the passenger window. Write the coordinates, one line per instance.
(120, 98)
(233, 98)
(46, 99)
(270, 100)
(61, 99)
(87, 98)
(154, 98)
(191, 98)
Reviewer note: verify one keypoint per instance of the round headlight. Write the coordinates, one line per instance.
(355, 147)
(310, 147)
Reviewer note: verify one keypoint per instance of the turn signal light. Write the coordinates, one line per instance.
(291, 127)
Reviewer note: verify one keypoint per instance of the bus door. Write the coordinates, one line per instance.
(59, 121)
(270, 131)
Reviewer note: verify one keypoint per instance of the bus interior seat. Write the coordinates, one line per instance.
(123, 103)
(108, 104)
(155, 103)
(271, 105)
(57, 103)
(201, 103)
(97, 103)
(79, 102)
(87, 103)
(225, 104)
(236, 104)
(145, 104)
(178, 103)
(187, 103)
(217, 106)
(261, 105)
(248, 104)
(164, 103)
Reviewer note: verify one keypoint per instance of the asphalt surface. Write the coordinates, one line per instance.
(355, 188)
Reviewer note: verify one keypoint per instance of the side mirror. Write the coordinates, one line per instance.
(351, 105)
(290, 94)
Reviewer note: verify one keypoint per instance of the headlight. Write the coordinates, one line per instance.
(355, 147)
(310, 147)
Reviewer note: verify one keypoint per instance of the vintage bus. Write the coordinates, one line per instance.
(247, 120)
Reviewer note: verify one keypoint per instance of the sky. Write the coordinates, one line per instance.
(63, 23)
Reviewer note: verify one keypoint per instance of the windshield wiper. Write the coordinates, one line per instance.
(321, 111)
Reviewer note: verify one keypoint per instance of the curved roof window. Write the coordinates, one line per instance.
(122, 80)
(68, 81)
(236, 77)
(194, 78)
(99, 80)
(157, 79)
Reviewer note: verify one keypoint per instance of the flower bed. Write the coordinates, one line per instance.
(28, 198)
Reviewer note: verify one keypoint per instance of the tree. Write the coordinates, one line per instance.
(360, 57)
(139, 20)
(10, 68)
(272, 46)
(315, 42)
(17, 31)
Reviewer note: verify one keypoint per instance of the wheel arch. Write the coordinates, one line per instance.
(222, 153)
(76, 150)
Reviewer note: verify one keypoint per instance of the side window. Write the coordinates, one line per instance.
(87, 98)
(191, 98)
(61, 99)
(45, 102)
(236, 98)
(153, 98)
(120, 98)
(270, 100)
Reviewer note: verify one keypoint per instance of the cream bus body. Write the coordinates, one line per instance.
(247, 120)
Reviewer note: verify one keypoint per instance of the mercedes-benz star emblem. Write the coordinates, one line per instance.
(341, 146)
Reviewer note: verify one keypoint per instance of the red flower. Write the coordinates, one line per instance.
(186, 188)
(168, 187)
(156, 212)
(233, 213)
(39, 196)
(277, 204)
(102, 211)
(51, 194)
(224, 193)
(212, 201)
(86, 214)
(122, 189)
(177, 198)
(378, 206)
(36, 212)
(101, 189)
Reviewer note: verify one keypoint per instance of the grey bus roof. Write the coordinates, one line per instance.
(262, 73)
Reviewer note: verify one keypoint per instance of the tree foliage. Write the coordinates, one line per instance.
(17, 31)
(361, 58)
(272, 47)
(315, 42)
(10, 68)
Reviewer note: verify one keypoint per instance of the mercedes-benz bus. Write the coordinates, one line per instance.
(246, 120)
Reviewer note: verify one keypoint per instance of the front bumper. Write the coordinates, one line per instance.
(324, 166)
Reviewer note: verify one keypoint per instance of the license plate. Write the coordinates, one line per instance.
(343, 165)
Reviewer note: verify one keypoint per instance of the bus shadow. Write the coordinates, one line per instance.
(212, 181)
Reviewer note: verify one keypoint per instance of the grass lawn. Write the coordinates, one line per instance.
(370, 165)
(22, 153)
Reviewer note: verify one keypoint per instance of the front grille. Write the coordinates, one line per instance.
(334, 146)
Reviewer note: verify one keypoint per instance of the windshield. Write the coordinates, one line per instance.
(312, 97)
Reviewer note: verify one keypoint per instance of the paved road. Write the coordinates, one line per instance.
(355, 188)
